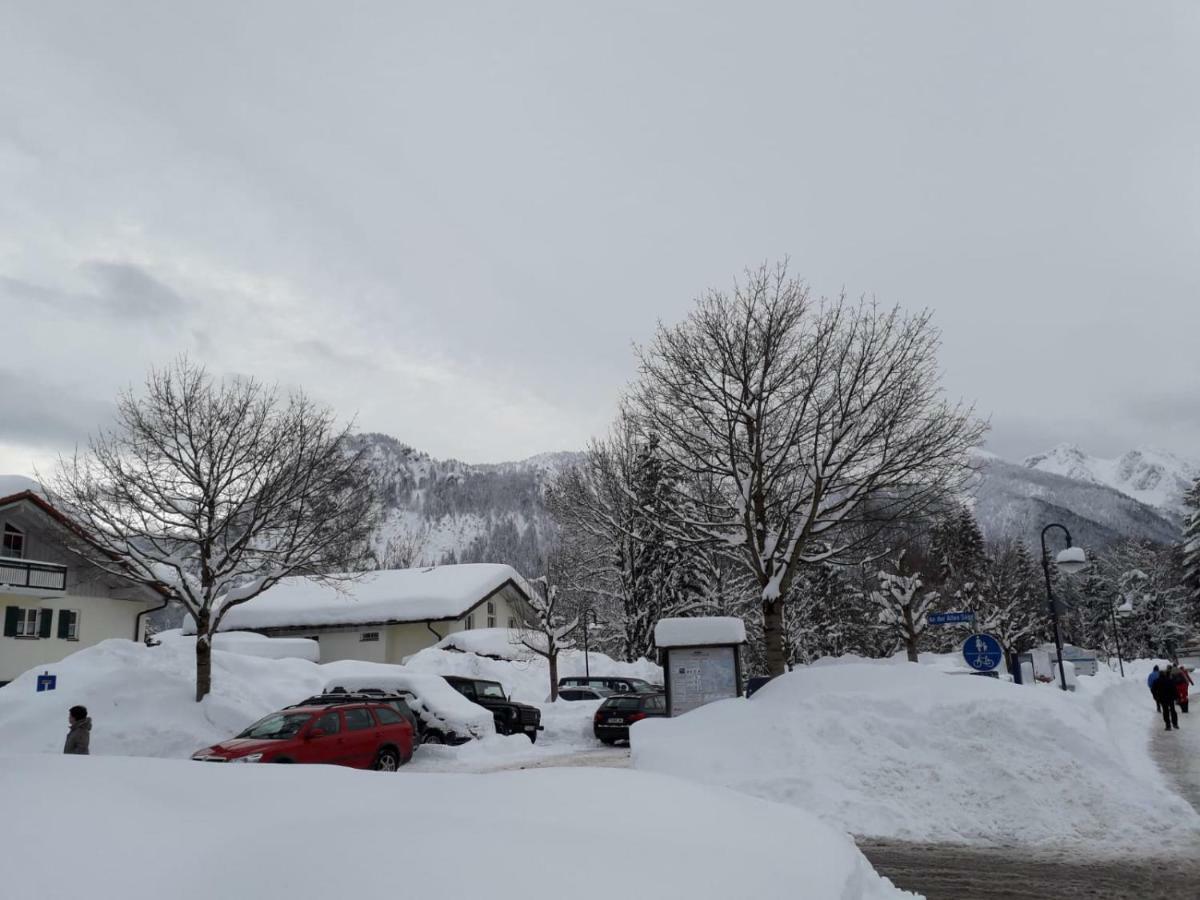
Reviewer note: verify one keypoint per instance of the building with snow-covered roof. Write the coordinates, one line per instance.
(56, 599)
(387, 615)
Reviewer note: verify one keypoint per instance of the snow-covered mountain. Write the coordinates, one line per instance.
(448, 511)
(1157, 478)
(1015, 500)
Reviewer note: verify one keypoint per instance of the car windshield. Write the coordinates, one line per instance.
(277, 726)
(623, 703)
(489, 690)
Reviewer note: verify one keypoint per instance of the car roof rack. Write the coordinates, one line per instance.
(333, 698)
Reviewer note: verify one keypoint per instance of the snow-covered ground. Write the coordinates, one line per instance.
(896, 750)
(135, 829)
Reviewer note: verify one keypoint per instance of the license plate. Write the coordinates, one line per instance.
(616, 721)
(531, 728)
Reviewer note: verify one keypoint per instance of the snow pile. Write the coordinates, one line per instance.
(141, 699)
(903, 751)
(699, 631)
(438, 704)
(389, 595)
(528, 680)
(501, 643)
(250, 644)
(271, 830)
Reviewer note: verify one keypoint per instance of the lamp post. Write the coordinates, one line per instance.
(1070, 561)
(589, 611)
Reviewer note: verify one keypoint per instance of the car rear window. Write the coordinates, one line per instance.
(387, 715)
(357, 719)
(623, 703)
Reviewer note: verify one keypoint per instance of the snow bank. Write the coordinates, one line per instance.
(141, 699)
(699, 631)
(502, 643)
(278, 832)
(250, 644)
(906, 752)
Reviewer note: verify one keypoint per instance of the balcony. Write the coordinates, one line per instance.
(27, 578)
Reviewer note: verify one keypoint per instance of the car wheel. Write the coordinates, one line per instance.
(608, 741)
(283, 760)
(433, 737)
(388, 760)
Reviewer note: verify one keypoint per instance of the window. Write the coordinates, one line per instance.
(276, 727)
(369, 636)
(490, 690)
(388, 716)
(68, 624)
(329, 723)
(465, 688)
(358, 719)
(13, 542)
(656, 704)
(27, 623)
(512, 623)
(470, 621)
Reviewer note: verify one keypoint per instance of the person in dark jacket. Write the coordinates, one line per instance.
(1165, 693)
(1154, 675)
(79, 736)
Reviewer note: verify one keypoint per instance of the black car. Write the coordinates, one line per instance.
(615, 715)
(511, 717)
(614, 683)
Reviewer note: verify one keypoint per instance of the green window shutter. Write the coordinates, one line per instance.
(64, 624)
(11, 615)
(45, 623)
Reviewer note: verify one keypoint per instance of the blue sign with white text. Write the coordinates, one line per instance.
(952, 618)
(983, 652)
(46, 682)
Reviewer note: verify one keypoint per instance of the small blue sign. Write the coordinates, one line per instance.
(952, 618)
(46, 682)
(983, 652)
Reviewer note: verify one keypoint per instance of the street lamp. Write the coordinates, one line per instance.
(587, 672)
(1070, 561)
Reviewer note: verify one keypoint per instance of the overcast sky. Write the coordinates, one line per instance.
(452, 223)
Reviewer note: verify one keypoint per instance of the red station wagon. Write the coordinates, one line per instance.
(359, 735)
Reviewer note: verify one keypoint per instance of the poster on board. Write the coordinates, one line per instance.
(700, 675)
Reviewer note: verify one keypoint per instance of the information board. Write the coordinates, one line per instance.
(700, 675)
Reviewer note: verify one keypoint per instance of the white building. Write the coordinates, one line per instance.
(55, 602)
(387, 615)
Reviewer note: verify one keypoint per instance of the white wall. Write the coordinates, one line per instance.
(336, 645)
(100, 618)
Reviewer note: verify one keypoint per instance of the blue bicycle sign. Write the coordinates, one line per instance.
(983, 652)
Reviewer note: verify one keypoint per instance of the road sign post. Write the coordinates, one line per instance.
(983, 653)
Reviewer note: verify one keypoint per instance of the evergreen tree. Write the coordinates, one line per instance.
(1008, 600)
(903, 606)
(1191, 550)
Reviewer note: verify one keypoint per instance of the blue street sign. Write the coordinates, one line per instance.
(952, 618)
(46, 682)
(983, 652)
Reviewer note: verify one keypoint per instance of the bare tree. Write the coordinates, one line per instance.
(546, 623)
(816, 419)
(214, 491)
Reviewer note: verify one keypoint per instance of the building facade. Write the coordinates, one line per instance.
(55, 601)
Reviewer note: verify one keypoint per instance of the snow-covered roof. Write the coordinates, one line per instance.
(390, 595)
(699, 631)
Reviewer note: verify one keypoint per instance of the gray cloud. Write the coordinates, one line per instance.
(485, 207)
